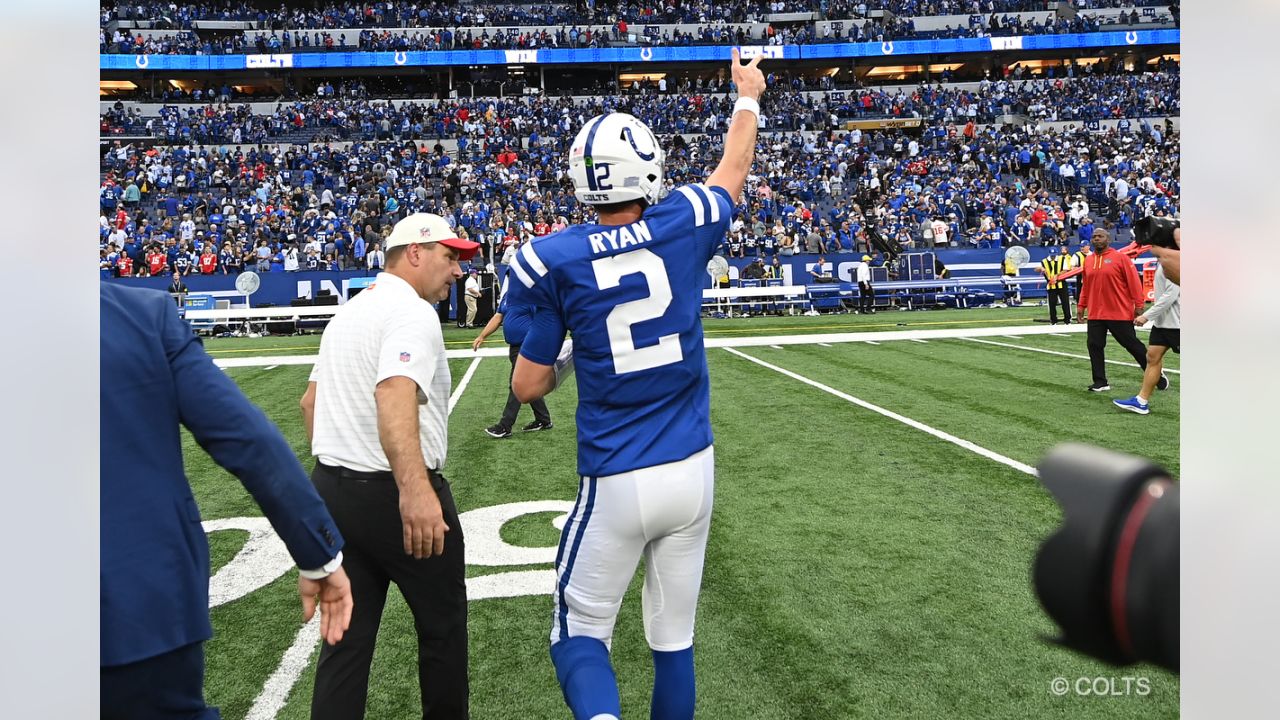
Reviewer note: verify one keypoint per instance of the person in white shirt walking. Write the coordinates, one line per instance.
(1165, 317)
(376, 410)
(471, 296)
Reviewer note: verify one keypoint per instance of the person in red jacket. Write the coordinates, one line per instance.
(1112, 296)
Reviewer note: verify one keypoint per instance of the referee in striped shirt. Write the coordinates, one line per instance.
(1051, 267)
(377, 412)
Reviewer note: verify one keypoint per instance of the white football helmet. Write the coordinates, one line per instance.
(616, 158)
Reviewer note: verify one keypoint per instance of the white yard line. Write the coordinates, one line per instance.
(922, 342)
(1055, 352)
(871, 338)
(272, 367)
(462, 384)
(776, 347)
(1058, 335)
(823, 345)
(967, 445)
(296, 659)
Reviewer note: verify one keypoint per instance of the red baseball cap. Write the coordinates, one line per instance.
(420, 228)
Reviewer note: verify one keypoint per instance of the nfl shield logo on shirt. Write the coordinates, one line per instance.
(404, 357)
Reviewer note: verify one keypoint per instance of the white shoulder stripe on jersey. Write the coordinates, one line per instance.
(521, 272)
(712, 200)
(696, 202)
(531, 257)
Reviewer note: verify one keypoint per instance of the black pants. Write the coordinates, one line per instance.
(1059, 296)
(1124, 334)
(866, 296)
(366, 507)
(164, 687)
(512, 409)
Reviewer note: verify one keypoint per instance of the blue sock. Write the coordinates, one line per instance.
(674, 691)
(586, 677)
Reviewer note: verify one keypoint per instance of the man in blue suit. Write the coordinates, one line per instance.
(154, 570)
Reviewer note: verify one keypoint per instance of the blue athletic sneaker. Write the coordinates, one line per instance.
(1132, 404)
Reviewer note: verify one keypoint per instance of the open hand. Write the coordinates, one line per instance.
(335, 602)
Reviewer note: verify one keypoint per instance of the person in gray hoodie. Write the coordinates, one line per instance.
(1165, 318)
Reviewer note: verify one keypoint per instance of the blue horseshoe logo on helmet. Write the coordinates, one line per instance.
(142, 61)
(626, 132)
(400, 58)
(886, 48)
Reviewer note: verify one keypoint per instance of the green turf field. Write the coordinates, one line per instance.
(857, 567)
(456, 337)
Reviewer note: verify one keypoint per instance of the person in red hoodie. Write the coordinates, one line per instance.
(1112, 296)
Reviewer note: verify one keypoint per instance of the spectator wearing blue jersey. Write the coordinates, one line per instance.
(629, 288)
(514, 322)
(1086, 231)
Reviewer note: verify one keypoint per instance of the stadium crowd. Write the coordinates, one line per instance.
(284, 208)
(686, 106)
(367, 26)
(441, 14)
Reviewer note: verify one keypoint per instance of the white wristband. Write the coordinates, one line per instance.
(325, 571)
(564, 362)
(748, 104)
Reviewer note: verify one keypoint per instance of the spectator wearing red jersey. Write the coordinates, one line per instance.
(124, 265)
(157, 261)
(208, 261)
(1038, 216)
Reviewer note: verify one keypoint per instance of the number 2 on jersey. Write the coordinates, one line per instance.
(627, 358)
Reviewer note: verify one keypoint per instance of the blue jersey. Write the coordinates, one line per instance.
(516, 319)
(631, 295)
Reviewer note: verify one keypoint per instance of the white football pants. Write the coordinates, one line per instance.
(662, 513)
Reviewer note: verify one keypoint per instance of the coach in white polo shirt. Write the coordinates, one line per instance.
(377, 410)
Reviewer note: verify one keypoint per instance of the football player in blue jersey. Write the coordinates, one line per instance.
(629, 289)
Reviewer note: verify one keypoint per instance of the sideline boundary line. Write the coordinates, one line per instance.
(737, 342)
(1055, 352)
(966, 444)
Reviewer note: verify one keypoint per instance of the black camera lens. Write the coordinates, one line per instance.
(1109, 576)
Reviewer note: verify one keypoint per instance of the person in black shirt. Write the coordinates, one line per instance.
(231, 261)
(176, 286)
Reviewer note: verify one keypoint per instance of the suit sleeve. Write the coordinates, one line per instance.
(242, 440)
